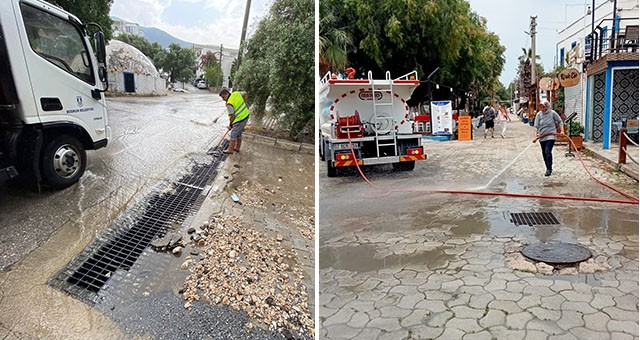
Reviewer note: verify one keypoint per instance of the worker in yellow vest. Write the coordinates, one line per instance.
(238, 117)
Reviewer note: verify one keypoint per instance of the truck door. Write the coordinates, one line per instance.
(62, 69)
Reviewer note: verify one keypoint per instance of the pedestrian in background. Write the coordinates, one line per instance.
(547, 123)
(503, 118)
(238, 117)
(488, 115)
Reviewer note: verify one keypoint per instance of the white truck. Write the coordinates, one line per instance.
(374, 116)
(52, 106)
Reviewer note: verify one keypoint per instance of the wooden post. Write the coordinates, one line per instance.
(622, 155)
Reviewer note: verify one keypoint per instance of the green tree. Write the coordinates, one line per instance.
(179, 62)
(213, 74)
(90, 11)
(334, 41)
(154, 51)
(277, 67)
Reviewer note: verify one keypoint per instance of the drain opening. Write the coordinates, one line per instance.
(122, 244)
(533, 219)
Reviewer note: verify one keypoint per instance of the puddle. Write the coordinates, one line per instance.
(362, 258)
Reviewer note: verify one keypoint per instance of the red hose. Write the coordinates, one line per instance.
(634, 200)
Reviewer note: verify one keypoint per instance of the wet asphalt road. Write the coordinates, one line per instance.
(150, 136)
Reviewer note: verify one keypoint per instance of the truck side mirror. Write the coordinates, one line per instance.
(101, 52)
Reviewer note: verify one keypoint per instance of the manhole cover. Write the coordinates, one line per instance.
(556, 253)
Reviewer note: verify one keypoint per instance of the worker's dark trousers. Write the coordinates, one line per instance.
(546, 147)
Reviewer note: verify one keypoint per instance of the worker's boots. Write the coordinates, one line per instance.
(230, 148)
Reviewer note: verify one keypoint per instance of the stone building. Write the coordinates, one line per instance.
(131, 72)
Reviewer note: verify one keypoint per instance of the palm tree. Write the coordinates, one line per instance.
(333, 41)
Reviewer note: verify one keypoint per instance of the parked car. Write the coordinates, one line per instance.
(202, 84)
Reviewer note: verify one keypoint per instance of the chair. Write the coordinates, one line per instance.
(629, 41)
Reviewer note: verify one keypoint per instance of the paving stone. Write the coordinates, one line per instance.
(366, 334)
(613, 292)
(341, 331)
(493, 318)
(465, 312)
(576, 297)
(393, 312)
(581, 307)
(340, 317)
(529, 301)
(439, 319)
(401, 334)
(372, 295)
(437, 295)
(385, 324)
(337, 303)
(601, 301)
(483, 335)
(581, 287)
(621, 336)
(390, 299)
(404, 290)
(451, 286)
(516, 286)
(417, 317)
(534, 281)
(451, 333)
(464, 324)
(627, 302)
(553, 302)
(426, 332)
(501, 332)
(597, 321)
(374, 314)
(480, 301)
(434, 306)
(622, 315)
(629, 327)
(570, 320)
(496, 284)
(509, 276)
(566, 336)
(327, 312)
(536, 335)
(475, 281)
(503, 295)
(462, 299)
(538, 291)
(518, 320)
(560, 285)
(548, 327)
(509, 307)
(358, 320)
(584, 333)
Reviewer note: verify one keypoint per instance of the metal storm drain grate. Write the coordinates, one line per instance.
(557, 253)
(531, 219)
(121, 245)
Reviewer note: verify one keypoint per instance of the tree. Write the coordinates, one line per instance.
(421, 35)
(179, 62)
(154, 51)
(277, 66)
(208, 59)
(333, 41)
(90, 11)
(213, 74)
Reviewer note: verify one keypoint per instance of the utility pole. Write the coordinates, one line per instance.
(534, 81)
(222, 76)
(244, 32)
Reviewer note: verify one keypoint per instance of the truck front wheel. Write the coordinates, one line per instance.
(63, 161)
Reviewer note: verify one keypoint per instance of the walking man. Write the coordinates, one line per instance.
(489, 114)
(238, 117)
(546, 124)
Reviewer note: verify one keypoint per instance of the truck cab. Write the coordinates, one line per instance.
(52, 84)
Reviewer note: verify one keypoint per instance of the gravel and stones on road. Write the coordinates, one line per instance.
(243, 269)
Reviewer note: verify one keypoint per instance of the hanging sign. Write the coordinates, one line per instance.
(441, 117)
(569, 77)
(549, 84)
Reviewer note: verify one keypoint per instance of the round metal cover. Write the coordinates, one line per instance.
(557, 253)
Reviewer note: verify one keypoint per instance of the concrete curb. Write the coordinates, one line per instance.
(280, 143)
(624, 168)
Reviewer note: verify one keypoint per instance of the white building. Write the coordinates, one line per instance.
(131, 72)
(228, 56)
(614, 50)
(121, 27)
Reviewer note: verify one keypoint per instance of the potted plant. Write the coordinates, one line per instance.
(575, 130)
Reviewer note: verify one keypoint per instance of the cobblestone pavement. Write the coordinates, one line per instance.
(413, 265)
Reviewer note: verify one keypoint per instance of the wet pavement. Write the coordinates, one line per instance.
(42, 233)
(410, 264)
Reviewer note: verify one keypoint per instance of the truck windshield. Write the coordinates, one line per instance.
(58, 41)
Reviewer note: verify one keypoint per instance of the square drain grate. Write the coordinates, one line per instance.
(532, 219)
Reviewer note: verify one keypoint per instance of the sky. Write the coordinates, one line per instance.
(509, 19)
(211, 22)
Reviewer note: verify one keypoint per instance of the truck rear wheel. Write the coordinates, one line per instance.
(64, 160)
(332, 171)
(404, 166)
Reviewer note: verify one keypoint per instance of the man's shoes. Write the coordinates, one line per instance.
(227, 152)
(502, 135)
(548, 173)
(237, 150)
(492, 136)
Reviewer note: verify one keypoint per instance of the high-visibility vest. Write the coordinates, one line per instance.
(239, 106)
